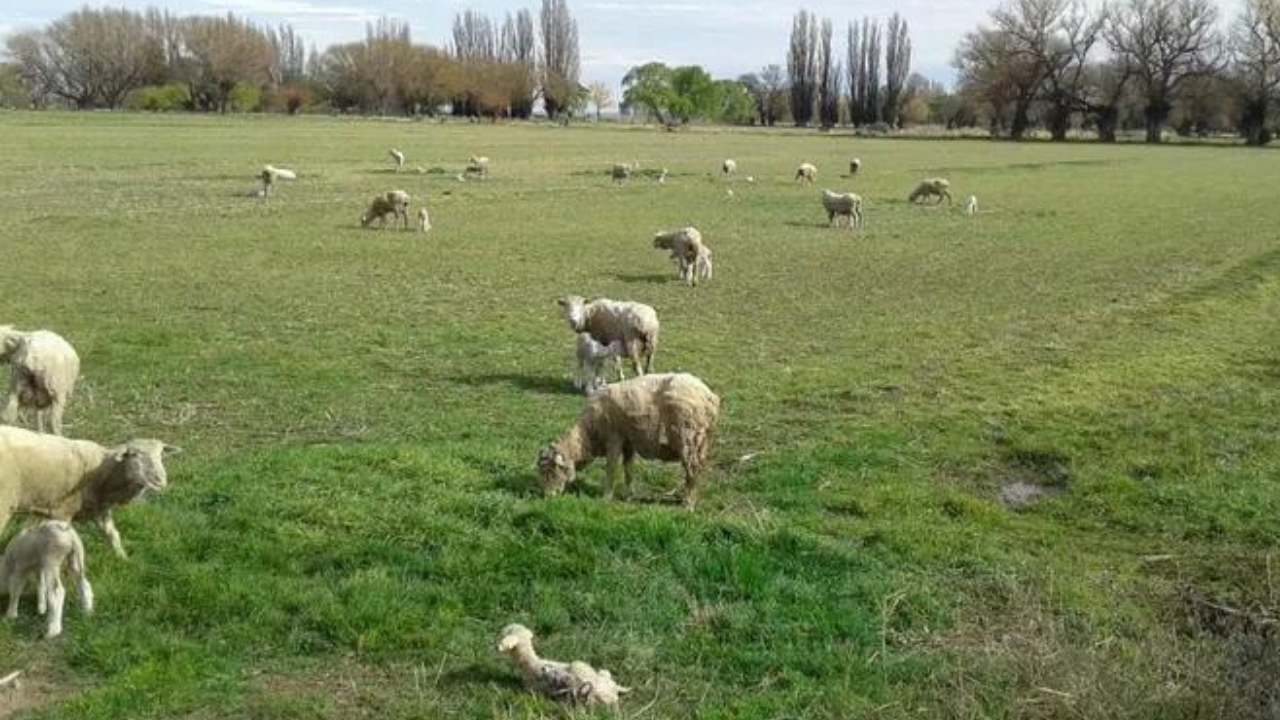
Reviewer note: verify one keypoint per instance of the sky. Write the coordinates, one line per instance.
(728, 37)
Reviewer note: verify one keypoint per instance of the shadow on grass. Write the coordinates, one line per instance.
(481, 675)
(803, 224)
(651, 278)
(532, 383)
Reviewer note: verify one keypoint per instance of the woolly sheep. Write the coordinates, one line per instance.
(43, 374)
(478, 166)
(855, 165)
(43, 550)
(662, 177)
(971, 207)
(10, 679)
(690, 254)
(669, 417)
(424, 220)
(592, 357)
(931, 188)
(634, 324)
(576, 682)
(76, 479)
(845, 205)
(271, 174)
(730, 167)
(806, 173)
(395, 202)
(398, 158)
(622, 172)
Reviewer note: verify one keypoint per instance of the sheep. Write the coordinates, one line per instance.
(662, 177)
(424, 220)
(395, 202)
(270, 174)
(592, 357)
(846, 205)
(478, 166)
(729, 167)
(42, 550)
(44, 370)
(397, 157)
(10, 679)
(66, 479)
(971, 208)
(622, 172)
(854, 166)
(634, 324)
(576, 682)
(690, 254)
(806, 173)
(931, 187)
(669, 417)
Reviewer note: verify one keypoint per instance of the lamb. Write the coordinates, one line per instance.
(845, 205)
(592, 357)
(395, 202)
(669, 417)
(854, 166)
(931, 187)
(806, 173)
(43, 550)
(478, 166)
(971, 208)
(44, 370)
(690, 253)
(270, 174)
(398, 158)
(729, 167)
(634, 324)
(76, 479)
(662, 177)
(424, 220)
(576, 682)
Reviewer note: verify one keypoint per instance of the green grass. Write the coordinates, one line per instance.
(356, 516)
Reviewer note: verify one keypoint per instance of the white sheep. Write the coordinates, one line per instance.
(854, 166)
(395, 202)
(729, 167)
(270, 174)
(424, 220)
(576, 682)
(43, 373)
(478, 166)
(633, 324)
(937, 188)
(43, 550)
(621, 172)
(591, 357)
(397, 157)
(76, 479)
(662, 177)
(843, 205)
(660, 417)
(806, 173)
(688, 251)
(971, 208)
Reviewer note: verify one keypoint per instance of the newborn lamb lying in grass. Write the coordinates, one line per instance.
(42, 550)
(576, 682)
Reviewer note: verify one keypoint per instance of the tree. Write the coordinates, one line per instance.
(897, 66)
(1106, 86)
(560, 63)
(601, 97)
(768, 89)
(863, 64)
(828, 79)
(1255, 49)
(648, 86)
(802, 67)
(733, 102)
(519, 47)
(994, 70)
(222, 52)
(1166, 42)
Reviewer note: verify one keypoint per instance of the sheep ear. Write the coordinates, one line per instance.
(562, 302)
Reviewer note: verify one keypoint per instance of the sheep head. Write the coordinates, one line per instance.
(555, 471)
(139, 467)
(9, 341)
(575, 311)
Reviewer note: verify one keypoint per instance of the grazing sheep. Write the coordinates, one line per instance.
(576, 682)
(690, 254)
(10, 679)
(76, 479)
(633, 324)
(42, 550)
(395, 202)
(270, 175)
(660, 417)
(806, 173)
(845, 205)
(398, 158)
(592, 357)
(931, 188)
(424, 220)
(44, 370)
(854, 166)
(478, 166)
(662, 177)
(751, 179)
(729, 167)
(971, 208)
(622, 172)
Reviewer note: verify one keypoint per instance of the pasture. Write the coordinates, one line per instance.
(356, 515)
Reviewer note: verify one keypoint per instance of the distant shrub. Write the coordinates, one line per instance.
(293, 98)
(245, 97)
(160, 98)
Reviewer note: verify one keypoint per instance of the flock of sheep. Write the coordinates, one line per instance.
(665, 417)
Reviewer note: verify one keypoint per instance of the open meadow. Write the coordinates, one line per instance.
(357, 515)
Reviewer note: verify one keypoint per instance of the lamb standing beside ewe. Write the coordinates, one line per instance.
(937, 188)
(76, 479)
(690, 254)
(806, 173)
(592, 356)
(576, 682)
(634, 324)
(660, 417)
(845, 205)
(42, 550)
(395, 202)
(43, 374)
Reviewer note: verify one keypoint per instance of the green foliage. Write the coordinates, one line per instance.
(685, 93)
(734, 104)
(160, 98)
(13, 92)
(245, 97)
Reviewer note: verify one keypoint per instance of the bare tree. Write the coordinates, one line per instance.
(897, 67)
(519, 48)
(828, 79)
(994, 69)
(601, 97)
(220, 53)
(560, 60)
(1106, 86)
(802, 67)
(1255, 49)
(862, 61)
(768, 89)
(1166, 42)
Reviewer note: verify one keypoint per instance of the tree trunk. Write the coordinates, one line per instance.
(1157, 111)
(1059, 122)
(1020, 121)
(1108, 120)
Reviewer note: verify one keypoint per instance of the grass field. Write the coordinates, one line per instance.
(356, 514)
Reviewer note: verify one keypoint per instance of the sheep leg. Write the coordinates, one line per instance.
(42, 591)
(55, 416)
(16, 581)
(57, 597)
(634, 352)
(614, 457)
(81, 577)
(107, 525)
(9, 415)
(628, 470)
